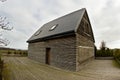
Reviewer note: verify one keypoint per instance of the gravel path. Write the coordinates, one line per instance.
(22, 68)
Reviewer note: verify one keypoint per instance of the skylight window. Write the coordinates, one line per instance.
(53, 27)
(38, 32)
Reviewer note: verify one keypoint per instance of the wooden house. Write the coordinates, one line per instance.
(66, 42)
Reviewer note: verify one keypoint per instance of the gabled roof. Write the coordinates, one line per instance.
(64, 25)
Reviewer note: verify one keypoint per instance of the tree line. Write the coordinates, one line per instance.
(17, 52)
(107, 52)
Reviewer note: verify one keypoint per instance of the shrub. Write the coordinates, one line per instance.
(15, 52)
(20, 52)
(9, 52)
(24, 53)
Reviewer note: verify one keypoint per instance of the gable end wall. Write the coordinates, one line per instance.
(84, 51)
(84, 43)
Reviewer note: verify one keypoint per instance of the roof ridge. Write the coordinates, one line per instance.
(67, 14)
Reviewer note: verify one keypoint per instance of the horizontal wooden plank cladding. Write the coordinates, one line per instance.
(62, 54)
(84, 51)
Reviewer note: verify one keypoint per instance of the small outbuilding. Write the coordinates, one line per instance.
(66, 42)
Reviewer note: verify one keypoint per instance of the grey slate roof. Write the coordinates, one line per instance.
(65, 24)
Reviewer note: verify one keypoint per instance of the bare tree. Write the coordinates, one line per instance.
(4, 25)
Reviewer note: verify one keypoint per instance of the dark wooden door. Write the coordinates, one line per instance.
(48, 56)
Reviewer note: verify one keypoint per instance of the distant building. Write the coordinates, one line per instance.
(66, 42)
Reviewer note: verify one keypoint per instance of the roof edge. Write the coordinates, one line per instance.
(65, 34)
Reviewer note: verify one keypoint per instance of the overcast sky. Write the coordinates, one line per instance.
(26, 16)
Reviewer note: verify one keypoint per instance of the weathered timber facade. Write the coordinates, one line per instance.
(66, 42)
(62, 52)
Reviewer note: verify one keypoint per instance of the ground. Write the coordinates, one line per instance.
(22, 68)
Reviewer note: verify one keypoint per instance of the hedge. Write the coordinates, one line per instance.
(104, 53)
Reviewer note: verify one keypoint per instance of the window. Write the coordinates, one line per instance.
(53, 27)
(38, 32)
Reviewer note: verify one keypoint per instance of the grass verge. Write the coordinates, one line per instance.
(6, 72)
(116, 64)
